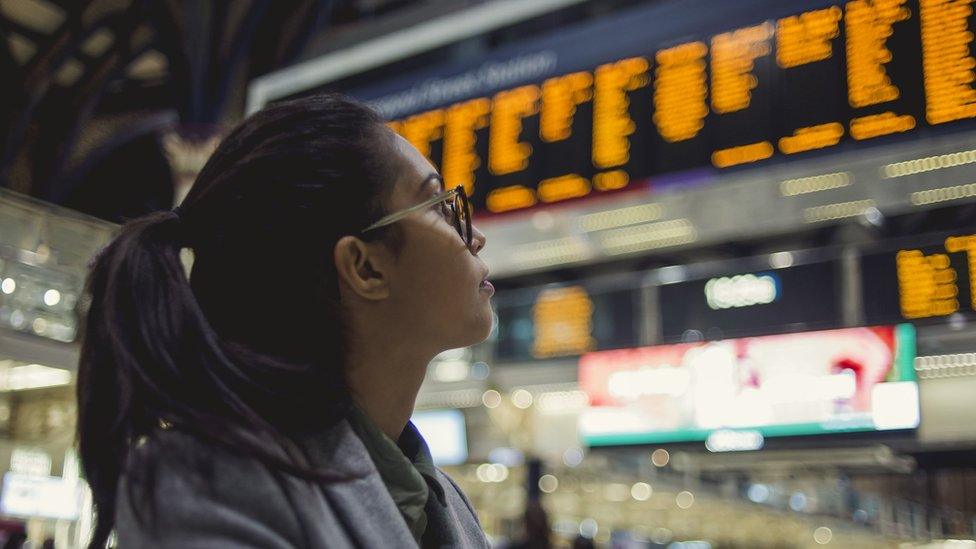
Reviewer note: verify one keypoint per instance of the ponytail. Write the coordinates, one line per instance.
(246, 367)
(149, 358)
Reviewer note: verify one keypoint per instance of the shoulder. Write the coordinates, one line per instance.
(180, 491)
(451, 488)
(172, 459)
(462, 513)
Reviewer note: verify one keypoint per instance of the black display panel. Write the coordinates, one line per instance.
(798, 298)
(920, 281)
(565, 321)
(833, 75)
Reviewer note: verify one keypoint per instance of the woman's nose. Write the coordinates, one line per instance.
(478, 240)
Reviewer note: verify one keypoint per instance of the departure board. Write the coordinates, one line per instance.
(564, 321)
(932, 281)
(846, 73)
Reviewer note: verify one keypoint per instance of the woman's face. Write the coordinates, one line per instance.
(438, 286)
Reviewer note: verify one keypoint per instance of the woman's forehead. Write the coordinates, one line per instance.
(412, 157)
(415, 171)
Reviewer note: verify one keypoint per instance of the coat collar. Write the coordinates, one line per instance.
(401, 474)
(362, 498)
(337, 450)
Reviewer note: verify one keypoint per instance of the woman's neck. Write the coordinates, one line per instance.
(385, 387)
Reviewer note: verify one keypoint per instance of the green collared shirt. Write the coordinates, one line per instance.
(406, 467)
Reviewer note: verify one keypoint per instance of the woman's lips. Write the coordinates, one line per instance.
(487, 287)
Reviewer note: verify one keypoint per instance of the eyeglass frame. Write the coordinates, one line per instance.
(456, 192)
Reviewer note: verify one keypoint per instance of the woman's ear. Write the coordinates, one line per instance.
(362, 268)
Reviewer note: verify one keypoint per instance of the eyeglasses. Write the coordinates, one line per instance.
(455, 208)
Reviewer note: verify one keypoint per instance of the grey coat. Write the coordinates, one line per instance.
(237, 503)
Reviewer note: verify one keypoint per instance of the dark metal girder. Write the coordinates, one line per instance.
(9, 25)
(54, 49)
(197, 17)
(37, 75)
(240, 46)
(320, 12)
(88, 91)
(168, 33)
(156, 122)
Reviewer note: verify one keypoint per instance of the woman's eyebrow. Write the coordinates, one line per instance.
(432, 178)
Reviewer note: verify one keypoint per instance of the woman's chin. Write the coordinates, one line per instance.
(481, 328)
(470, 330)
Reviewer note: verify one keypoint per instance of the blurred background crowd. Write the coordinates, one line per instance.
(734, 245)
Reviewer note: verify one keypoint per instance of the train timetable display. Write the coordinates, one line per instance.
(851, 72)
(565, 321)
(930, 281)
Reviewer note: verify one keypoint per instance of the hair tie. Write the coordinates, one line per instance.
(182, 238)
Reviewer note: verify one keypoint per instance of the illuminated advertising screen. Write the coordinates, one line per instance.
(445, 433)
(25, 495)
(624, 102)
(733, 394)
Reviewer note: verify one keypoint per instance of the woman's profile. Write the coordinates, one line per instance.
(264, 399)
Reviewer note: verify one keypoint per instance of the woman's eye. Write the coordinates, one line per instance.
(444, 210)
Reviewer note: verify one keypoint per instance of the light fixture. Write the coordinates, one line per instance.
(780, 260)
(448, 371)
(648, 236)
(522, 399)
(942, 194)
(641, 491)
(622, 217)
(573, 457)
(32, 376)
(743, 290)
(491, 398)
(52, 297)
(660, 457)
(550, 252)
(548, 483)
(817, 183)
(672, 274)
(928, 164)
(839, 210)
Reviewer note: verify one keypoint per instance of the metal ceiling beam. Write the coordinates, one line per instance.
(398, 45)
(155, 123)
(54, 49)
(317, 17)
(9, 25)
(240, 46)
(168, 33)
(37, 75)
(88, 91)
(197, 22)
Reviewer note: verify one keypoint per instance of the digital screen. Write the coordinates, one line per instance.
(565, 321)
(797, 298)
(916, 283)
(40, 496)
(850, 72)
(445, 434)
(737, 392)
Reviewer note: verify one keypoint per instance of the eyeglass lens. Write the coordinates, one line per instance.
(462, 219)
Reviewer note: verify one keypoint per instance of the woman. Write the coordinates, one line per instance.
(265, 400)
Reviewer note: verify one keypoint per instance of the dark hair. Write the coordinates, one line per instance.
(249, 350)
